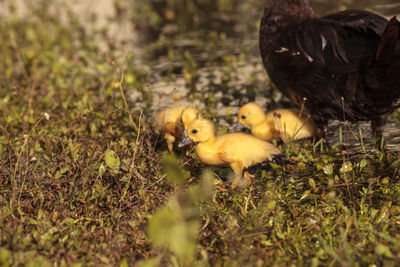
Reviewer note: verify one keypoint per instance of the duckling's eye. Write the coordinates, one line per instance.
(194, 131)
(243, 117)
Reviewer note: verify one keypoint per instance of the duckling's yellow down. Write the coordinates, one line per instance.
(277, 124)
(172, 121)
(236, 150)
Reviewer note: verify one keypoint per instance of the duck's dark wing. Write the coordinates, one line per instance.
(343, 42)
(360, 20)
(326, 57)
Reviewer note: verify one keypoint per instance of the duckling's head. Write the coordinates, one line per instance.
(198, 131)
(250, 114)
(189, 114)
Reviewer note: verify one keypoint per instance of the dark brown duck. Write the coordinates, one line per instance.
(345, 65)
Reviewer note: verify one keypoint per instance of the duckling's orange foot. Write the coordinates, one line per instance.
(248, 177)
(221, 188)
(234, 184)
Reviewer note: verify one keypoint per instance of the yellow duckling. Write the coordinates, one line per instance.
(278, 124)
(172, 121)
(236, 150)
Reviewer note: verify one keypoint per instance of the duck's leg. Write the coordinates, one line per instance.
(170, 141)
(323, 130)
(237, 168)
(377, 130)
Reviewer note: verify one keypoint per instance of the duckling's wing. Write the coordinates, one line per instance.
(171, 116)
(226, 156)
(246, 149)
(227, 150)
(169, 127)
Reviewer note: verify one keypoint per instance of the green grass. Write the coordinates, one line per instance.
(86, 182)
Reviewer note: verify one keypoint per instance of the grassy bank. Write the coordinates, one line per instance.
(85, 181)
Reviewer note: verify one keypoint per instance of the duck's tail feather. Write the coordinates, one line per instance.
(386, 64)
(389, 46)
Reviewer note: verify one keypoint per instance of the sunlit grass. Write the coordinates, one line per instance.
(85, 181)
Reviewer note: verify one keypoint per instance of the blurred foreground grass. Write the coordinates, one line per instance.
(84, 181)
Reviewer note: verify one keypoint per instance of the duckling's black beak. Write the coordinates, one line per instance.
(238, 127)
(185, 142)
(183, 136)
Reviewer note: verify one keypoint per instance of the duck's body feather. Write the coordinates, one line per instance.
(330, 64)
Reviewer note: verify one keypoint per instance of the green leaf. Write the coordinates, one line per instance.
(363, 163)
(305, 194)
(102, 169)
(271, 205)
(275, 166)
(346, 167)
(312, 183)
(175, 173)
(175, 228)
(150, 262)
(123, 263)
(328, 169)
(205, 190)
(112, 159)
(383, 214)
(383, 250)
(5, 256)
